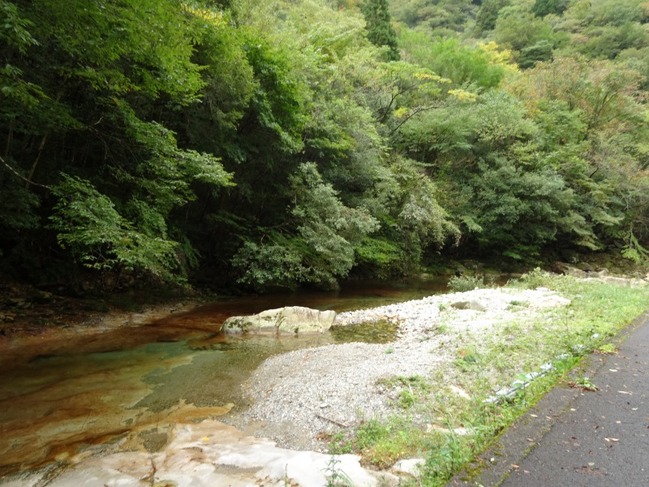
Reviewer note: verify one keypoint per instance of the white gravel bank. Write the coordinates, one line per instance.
(297, 395)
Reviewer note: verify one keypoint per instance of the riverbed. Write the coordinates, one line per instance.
(93, 391)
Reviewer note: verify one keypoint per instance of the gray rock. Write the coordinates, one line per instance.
(568, 270)
(290, 319)
(472, 305)
(623, 281)
(599, 273)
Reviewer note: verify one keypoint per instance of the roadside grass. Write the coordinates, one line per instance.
(451, 416)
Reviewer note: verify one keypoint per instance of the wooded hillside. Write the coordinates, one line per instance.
(287, 143)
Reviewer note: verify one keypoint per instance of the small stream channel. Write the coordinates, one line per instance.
(129, 384)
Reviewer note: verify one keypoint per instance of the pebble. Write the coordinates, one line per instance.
(299, 399)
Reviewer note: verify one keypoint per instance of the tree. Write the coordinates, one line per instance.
(466, 66)
(284, 143)
(436, 17)
(530, 37)
(379, 27)
(322, 248)
(516, 210)
(488, 14)
(592, 132)
(84, 123)
(605, 28)
(542, 8)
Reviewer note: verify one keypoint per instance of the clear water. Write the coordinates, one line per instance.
(129, 383)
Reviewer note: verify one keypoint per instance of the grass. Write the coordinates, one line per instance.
(525, 357)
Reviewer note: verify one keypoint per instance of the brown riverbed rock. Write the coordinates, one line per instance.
(208, 453)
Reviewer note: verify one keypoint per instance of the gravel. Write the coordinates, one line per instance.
(299, 398)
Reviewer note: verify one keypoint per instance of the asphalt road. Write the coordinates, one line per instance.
(581, 438)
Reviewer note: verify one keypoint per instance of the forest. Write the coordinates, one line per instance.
(288, 143)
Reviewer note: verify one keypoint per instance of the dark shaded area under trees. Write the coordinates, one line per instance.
(238, 145)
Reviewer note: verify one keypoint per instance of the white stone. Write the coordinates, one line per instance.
(410, 466)
(454, 431)
(290, 319)
(458, 391)
(209, 454)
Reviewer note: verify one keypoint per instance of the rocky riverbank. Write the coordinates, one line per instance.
(296, 402)
(301, 398)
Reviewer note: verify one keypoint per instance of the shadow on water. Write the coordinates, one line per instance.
(125, 385)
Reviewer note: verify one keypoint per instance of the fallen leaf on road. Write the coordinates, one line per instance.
(612, 439)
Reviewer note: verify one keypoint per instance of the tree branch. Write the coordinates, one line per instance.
(16, 173)
(412, 114)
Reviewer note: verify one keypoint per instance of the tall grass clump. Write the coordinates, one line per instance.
(463, 283)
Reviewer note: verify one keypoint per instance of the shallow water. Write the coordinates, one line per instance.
(126, 387)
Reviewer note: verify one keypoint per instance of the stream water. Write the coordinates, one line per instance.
(125, 388)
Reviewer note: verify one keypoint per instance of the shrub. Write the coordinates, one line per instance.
(463, 283)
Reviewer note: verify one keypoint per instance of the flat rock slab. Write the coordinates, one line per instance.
(208, 454)
(290, 319)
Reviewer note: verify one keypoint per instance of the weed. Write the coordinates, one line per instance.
(467, 360)
(410, 388)
(340, 444)
(335, 476)
(286, 480)
(382, 443)
(464, 283)
(607, 349)
(533, 279)
(514, 305)
(583, 383)
(370, 433)
(406, 398)
(410, 381)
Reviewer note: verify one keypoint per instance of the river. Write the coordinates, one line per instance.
(124, 388)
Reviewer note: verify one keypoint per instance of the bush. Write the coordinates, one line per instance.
(461, 284)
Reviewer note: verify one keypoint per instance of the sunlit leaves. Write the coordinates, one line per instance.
(462, 64)
(14, 29)
(89, 226)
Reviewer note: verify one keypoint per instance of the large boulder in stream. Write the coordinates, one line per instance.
(290, 319)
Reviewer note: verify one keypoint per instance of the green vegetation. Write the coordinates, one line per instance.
(462, 283)
(454, 414)
(335, 476)
(297, 143)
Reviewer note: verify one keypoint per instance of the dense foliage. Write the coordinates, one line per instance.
(296, 142)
